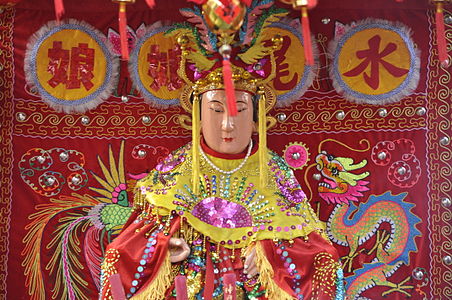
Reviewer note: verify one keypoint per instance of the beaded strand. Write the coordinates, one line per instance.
(248, 153)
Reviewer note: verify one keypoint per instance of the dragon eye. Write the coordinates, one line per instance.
(330, 157)
(334, 171)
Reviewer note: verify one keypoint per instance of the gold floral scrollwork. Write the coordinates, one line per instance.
(271, 121)
(185, 122)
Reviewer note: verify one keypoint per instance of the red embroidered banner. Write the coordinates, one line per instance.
(67, 179)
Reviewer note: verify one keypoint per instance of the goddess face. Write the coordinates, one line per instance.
(223, 133)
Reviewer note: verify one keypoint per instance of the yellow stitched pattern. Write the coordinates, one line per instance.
(325, 274)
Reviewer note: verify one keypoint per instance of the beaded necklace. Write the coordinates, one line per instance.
(233, 170)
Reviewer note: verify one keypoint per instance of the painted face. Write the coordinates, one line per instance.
(223, 133)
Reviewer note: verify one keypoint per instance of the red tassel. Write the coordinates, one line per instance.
(229, 88)
(210, 276)
(59, 9)
(229, 286)
(440, 34)
(151, 3)
(181, 288)
(117, 290)
(306, 36)
(123, 31)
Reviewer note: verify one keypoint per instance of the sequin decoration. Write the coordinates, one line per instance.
(225, 203)
(340, 288)
(145, 259)
(173, 160)
(288, 185)
(221, 213)
(290, 267)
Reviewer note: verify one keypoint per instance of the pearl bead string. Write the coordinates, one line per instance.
(248, 153)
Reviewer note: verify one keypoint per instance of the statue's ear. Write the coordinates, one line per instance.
(254, 127)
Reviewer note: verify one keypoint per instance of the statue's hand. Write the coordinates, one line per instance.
(179, 250)
(250, 267)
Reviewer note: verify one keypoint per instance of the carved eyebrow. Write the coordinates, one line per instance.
(216, 101)
(220, 102)
(242, 101)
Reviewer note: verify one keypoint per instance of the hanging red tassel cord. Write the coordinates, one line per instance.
(229, 87)
(117, 290)
(304, 5)
(123, 31)
(229, 291)
(59, 9)
(181, 288)
(440, 34)
(307, 43)
(150, 3)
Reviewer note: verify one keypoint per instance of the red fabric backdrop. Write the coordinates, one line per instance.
(47, 242)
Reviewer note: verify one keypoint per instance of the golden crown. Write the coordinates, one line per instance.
(243, 81)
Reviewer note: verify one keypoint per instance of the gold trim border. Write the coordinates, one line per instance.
(6, 151)
(440, 168)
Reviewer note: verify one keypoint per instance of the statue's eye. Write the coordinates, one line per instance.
(216, 108)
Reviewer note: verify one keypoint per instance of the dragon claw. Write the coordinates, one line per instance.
(398, 287)
(382, 238)
(348, 260)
